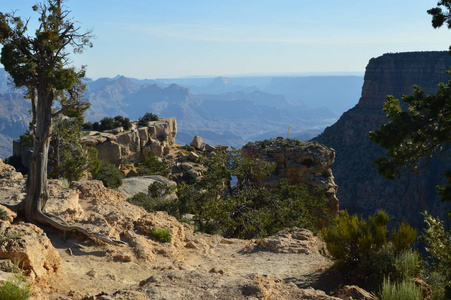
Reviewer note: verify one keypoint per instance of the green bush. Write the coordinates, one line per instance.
(154, 200)
(109, 174)
(438, 244)
(120, 121)
(404, 290)
(15, 289)
(249, 209)
(402, 238)
(106, 123)
(152, 166)
(3, 215)
(162, 235)
(140, 199)
(365, 255)
(148, 117)
(351, 240)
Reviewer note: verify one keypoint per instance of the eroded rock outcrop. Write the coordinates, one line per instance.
(300, 162)
(28, 246)
(136, 144)
(362, 190)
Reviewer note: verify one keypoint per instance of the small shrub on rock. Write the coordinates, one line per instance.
(148, 117)
(3, 215)
(162, 235)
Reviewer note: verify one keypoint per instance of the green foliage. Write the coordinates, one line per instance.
(404, 290)
(65, 182)
(249, 209)
(3, 215)
(140, 199)
(408, 265)
(69, 158)
(109, 174)
(9, 236)
(152, 166)
(438, 244)
(365, 255)
(420, 130)
(155, 198)
(120, 121)
(440, 17)
(162, 235)
(148, 117)
(15, 289)
(26, 139)
(106, 124)
(402, 238)
(350, 239)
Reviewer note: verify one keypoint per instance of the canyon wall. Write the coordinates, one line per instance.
(361, 189)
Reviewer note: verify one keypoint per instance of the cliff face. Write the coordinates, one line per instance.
(362, 190)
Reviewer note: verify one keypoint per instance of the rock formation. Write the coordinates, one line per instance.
(136, 144)
(300, 162)
(117, 146)
(362, 190)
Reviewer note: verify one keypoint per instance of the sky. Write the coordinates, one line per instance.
(179, 38)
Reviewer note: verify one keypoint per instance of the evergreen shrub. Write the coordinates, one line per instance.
(109, 174)
(365, 252)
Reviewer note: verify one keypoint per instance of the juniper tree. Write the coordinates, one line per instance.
(40, 65)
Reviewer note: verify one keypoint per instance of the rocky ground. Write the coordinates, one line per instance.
(191, 266)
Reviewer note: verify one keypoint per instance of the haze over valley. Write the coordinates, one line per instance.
(230, 111)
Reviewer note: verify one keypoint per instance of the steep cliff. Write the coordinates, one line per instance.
(362, 190)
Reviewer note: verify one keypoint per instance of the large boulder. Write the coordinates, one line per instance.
(197, 143)
(29, 246)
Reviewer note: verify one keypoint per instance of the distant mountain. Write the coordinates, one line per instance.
(224, 110)
(221, 85)
(232, 118)
(338, 93)
(6, 146)
(5, 87)
(14, 115)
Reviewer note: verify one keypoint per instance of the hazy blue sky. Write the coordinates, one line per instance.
(176, 38)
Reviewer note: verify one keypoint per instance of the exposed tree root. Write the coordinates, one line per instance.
(48, 219)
